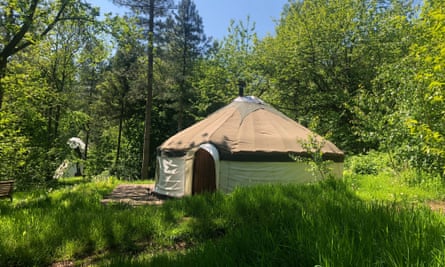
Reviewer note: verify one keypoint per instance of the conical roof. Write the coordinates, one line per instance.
(248, 129)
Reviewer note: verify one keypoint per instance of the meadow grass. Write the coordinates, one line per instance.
(44, 226)
(330, 223)
(322, 224)
(400, 187)
(376, 181)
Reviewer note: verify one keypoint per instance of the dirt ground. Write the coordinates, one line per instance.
(437, 206)
(134, 194)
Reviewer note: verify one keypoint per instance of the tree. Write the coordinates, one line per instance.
(325, 52)
(227, 63)
(91, 66)
(158, 8)
(185, 44)
(404, 110)
(119, 90)
(426, 121)
(40, 43)
(23, 24)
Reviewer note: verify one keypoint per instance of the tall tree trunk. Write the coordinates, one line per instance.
(57, 121)
(88, 124)
(3, 65)
(119, 136)
(87, 139)
(182, 86)
(181, 107)
(49, 130)
(149, 100)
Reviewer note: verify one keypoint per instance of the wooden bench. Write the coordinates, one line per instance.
(6, 188)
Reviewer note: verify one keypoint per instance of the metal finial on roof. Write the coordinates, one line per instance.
(241, 86)
(249, 99)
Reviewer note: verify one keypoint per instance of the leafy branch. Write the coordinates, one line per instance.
(314, 156)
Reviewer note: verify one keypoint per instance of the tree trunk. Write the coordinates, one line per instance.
(182, 86)
(49, 131)
(119, 136)
(149, 100)
(87, 140)
(3, 65)
(57, 121)
(181, 108)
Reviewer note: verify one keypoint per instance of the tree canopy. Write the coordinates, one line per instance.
(368, 75)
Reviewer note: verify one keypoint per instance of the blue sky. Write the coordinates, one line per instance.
(216, 14)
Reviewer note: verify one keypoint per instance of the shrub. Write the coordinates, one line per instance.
(371, 163)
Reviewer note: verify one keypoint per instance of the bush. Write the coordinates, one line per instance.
(371, 163)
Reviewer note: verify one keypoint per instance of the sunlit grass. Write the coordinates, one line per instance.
(350, 222)
(395, 187)
(324, 224)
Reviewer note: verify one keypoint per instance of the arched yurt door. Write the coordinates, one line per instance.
(204, 172)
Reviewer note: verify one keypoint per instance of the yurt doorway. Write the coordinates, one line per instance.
(204, 174)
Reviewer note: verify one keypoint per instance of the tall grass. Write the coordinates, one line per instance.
(324, 224)
(69, 223)
(373, 179)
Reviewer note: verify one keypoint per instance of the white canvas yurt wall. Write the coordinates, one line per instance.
(247, 142)
(236, 173)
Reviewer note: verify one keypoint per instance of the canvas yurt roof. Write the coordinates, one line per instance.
(248, 129)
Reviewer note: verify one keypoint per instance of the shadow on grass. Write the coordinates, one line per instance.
(42, 196)
(65, 224)
(299, 225)
(321, 224)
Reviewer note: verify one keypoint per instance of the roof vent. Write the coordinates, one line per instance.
(241, 86)
(249, 99)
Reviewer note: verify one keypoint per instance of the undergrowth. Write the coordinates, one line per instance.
(349, 222)
(373, 178)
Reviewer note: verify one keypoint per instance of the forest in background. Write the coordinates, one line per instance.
(366, 74)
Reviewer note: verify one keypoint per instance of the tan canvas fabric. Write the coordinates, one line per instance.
(245, 130)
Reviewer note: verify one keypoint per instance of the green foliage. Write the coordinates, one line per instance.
(24, 113)
(131, 153)
(404, 110)
(367, 73)
(324, 52)
(13, 147)
(313, 147)
(426, 119)
(375, 177)
(26, 24)
(119, 102)
(185, 44)
(231, 61)
(324, 224)
(40, 84)
(102, 154)
(372, 163)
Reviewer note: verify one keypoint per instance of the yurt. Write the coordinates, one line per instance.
(247, 142)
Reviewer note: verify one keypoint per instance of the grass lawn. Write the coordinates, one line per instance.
(364, 220)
